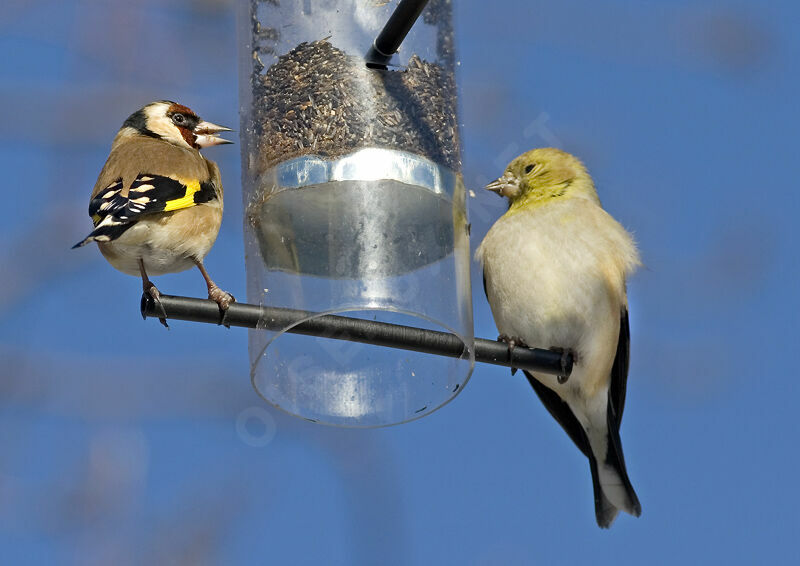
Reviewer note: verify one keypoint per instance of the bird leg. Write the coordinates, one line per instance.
(512, 342)
(150, 289)
(565, 353)
(222, 298)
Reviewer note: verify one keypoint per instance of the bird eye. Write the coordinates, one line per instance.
(179, 119)
(529, 168)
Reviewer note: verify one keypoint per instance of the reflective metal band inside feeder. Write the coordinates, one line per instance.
(354, 205)
(378, 212)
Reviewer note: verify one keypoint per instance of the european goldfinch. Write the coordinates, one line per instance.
(554, 269)
(157, 203)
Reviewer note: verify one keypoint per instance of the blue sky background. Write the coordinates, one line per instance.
(121, 443)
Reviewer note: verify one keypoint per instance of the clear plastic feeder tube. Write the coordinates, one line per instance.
(354, 204)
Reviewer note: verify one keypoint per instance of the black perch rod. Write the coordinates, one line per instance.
(357, 330)
(394, 32)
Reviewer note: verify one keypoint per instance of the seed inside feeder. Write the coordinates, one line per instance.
(354, 203)
(318, 100)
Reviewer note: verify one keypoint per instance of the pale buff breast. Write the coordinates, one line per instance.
(555, 278)
(167, 242)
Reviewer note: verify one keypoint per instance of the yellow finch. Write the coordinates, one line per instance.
(157, 203)
(554, 268)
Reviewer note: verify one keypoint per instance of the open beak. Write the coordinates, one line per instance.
(205, 134)
(505, 186)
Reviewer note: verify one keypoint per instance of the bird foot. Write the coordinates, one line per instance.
(565, 353)
(224, 300)
(151, 290)
(512, 342)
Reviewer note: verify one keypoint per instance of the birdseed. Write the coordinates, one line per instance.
(318, 100)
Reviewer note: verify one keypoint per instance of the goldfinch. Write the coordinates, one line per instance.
(554, 269)
(157, 203)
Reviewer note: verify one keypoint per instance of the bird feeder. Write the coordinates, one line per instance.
(354, 204)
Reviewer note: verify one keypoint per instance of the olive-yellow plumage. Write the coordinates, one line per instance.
(555, 266)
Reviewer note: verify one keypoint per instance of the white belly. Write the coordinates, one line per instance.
(548, 284)
(161, 248)
(125, 258)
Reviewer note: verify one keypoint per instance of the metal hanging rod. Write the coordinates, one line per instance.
(394, 32)
(357, 330)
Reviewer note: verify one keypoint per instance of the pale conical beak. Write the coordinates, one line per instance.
(505, 186)
(204, 133)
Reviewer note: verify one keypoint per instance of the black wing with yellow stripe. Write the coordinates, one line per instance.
(113, 213)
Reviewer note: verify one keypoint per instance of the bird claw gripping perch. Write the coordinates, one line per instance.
(565, 354)
(513, 342)
(151, 293)
(224, 301)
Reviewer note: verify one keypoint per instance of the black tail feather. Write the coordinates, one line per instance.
(616, 459)
(604, 511)
(105, 233)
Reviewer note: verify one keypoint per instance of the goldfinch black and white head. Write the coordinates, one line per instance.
(157, 203)
(173, 123)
